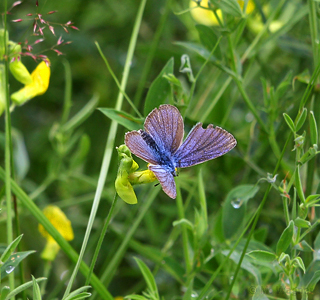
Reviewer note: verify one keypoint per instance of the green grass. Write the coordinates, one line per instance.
(243, 226)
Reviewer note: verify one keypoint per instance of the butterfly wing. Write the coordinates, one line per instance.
(139, 147)
(166, 180)
(165, 125)
(203, 144)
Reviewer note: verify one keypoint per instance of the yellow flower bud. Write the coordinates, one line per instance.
(17, 68)
(59, 220)
(207, 17)
(39, 85)
(126, 166)
(127, 176)
(141, 177)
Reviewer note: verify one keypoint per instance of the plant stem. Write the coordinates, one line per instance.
(103, 233)
(185, 239)
(256, 220)
(8, 148)
(152, 51)
(110, 144)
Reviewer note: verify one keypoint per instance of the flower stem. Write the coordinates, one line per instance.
(109, 146)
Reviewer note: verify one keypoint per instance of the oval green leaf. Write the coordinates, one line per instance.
(285, 239)
(263, 256)
(160, 89)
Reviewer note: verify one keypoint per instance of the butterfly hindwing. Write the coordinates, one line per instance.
(203, 144)
(166, 180)
(165, 125)
(139, 147)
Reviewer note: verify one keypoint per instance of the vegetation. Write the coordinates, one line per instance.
(243, 226)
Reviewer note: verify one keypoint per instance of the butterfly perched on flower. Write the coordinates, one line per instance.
(161, 145)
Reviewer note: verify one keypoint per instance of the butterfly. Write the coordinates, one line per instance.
(161, 144)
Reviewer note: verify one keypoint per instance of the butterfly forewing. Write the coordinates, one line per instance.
(139, 147)
(166, 180)
(203, 144)
(165, 125)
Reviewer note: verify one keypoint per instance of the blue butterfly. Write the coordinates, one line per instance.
(160, 144)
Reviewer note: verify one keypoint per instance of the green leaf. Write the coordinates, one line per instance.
(78, 292)
(13, 262)
(203, 52)
(298, 261)
(186, 67)
(4, 292)
(314, 280)
(36, 289)
(289, 122)
(80, 296)
(208, 39)
(263, 256)
(230, 7)
(312, 199)
(234, 207)
(183, 221)
(317, 242)
(284, 256)
(7, 252)
(303, 246)
(23, 287)
(136, 297)
(123, 118)
(285, 239)
(160, 89)
(148, 277)
(298, 185)
(301, 119)
(313, 129)
(301, 223)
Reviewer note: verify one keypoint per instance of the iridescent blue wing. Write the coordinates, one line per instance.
(165, 125)
(139, 147)
(166, 180)
(202, 145)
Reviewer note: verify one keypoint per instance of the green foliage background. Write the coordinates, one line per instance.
(273, 78)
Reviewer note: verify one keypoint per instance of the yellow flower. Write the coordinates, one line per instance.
(39, 85)
(127, 176)
(59, 220)
(17, 68)
(207, 17)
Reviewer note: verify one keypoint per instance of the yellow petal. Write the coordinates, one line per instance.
(20, 72)
(59, 220)
(40, 82)
(204, 16)
(207, 17)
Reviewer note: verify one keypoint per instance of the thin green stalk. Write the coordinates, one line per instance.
(256, 220)
(242, 90)
(110, 143)
(67, 92)
(8, 147)
(286, 209)
(116, 259)
(198, 74)
(46, 273)
(313, 19)
(243, 58)
(122, 92)
(152, 51)
(102, 235)
(185, 240)
(263, 31)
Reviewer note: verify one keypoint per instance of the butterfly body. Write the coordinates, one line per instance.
(161, 144)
